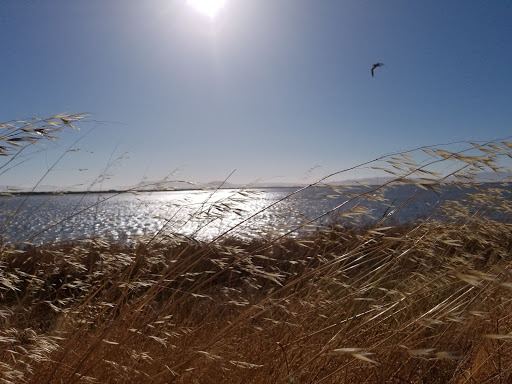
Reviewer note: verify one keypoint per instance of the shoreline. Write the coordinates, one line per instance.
(209, 189)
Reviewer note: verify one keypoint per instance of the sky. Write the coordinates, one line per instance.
(274, 90)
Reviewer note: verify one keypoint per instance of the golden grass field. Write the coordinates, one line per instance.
(424, 302)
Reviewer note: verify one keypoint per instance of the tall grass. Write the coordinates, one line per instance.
(418, 302)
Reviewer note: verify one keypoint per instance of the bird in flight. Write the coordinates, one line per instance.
(376, 65)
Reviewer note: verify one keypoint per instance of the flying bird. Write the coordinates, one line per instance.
(376, 65)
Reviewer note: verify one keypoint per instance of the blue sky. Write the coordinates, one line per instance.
(279, 90)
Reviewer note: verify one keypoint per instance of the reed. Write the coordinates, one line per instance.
(419, 302)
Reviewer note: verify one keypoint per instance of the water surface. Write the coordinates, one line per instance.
(207, 214)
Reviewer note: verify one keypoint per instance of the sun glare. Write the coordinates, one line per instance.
(208, 8)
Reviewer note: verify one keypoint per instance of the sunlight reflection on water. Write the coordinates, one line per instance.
(202, 215)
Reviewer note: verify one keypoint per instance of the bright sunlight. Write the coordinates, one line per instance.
(209, 8)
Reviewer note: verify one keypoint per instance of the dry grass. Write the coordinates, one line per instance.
(424, 302)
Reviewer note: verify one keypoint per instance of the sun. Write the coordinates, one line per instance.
(209, 8)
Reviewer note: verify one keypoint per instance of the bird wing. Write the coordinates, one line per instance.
(375, 66)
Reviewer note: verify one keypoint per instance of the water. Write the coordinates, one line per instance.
(207, 214)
